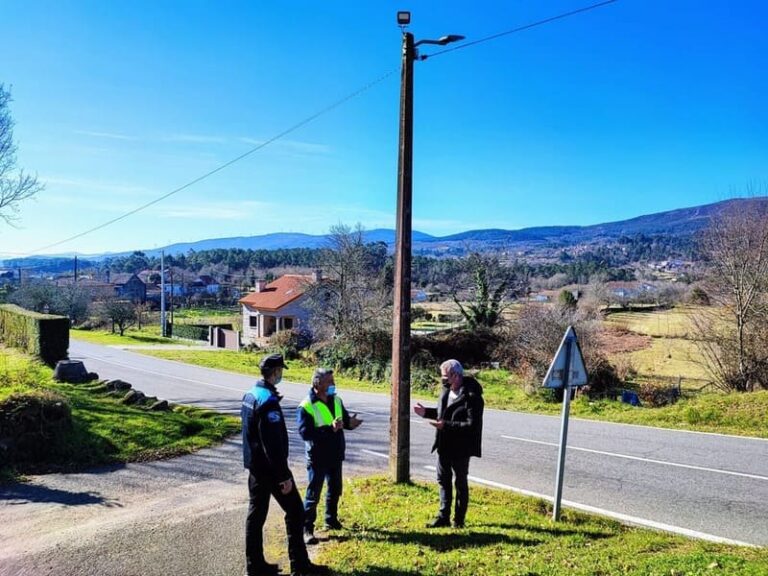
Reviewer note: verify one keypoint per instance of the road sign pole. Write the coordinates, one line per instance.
(563, 429)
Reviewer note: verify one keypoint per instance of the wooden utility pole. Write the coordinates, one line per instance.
(399, 419)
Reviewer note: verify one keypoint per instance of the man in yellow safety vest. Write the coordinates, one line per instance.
(322, 419)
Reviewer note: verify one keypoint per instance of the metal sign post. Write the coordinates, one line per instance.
(567, 371)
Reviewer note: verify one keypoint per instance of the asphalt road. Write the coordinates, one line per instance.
(705, 485)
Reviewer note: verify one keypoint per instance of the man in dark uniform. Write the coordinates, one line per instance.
(265, 455)
(458, 420)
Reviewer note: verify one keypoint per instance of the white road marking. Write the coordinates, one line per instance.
(641, 459)
(378, 454)
(615, 515)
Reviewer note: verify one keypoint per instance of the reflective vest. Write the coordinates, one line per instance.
(320, 413)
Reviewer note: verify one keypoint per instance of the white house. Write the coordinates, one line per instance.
(275, 306)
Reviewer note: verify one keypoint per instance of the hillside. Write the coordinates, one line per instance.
(681, 224)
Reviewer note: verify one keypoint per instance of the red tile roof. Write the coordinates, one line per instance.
(277, 294)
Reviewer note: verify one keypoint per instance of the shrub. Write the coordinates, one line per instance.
(657, 396)
(31, 426)
(468, 347)
(290, 342)
(602, 379)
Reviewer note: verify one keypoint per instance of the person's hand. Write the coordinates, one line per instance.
(286, 486)
(419, 409)
(354, 422)
(338, 424)
(439, 424)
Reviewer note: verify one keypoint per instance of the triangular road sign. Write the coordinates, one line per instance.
(556, 374)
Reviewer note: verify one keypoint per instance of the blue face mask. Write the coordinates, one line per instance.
(331, 389)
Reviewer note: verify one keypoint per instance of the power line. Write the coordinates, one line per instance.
(264, 144)
(314, 117)
(520, 28)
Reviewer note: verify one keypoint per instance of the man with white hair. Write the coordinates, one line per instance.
(458, 421)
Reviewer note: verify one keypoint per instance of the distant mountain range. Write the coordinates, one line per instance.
(679, 223)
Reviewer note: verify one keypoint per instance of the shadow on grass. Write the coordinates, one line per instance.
(16, 494)
(447, 541)
(554, 530)
(380, 571)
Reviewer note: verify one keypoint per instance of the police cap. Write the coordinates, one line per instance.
(272, 361)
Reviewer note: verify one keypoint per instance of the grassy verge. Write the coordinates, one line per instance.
(511, 535)
(132, 337)
(247, 363)
(738, 414)
(103, 430)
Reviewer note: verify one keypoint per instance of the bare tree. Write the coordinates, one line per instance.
(539, 328)
(354, 293)
(731, 333)
(120, 312)
(15, 185)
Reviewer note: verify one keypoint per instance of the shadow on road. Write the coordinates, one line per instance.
(25, 493)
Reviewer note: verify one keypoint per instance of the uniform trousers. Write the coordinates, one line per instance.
(260, 488)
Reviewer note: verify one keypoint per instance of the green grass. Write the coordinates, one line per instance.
(510, 535)
(132, 337)
(248, 363)
(738, 414)
(103, 429)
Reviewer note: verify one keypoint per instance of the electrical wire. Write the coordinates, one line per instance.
(520, 28)
(199, 179)
(313, 117)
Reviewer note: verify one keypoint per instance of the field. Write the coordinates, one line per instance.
(668, 352)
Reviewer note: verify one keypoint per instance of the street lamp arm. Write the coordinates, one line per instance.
(442, 41)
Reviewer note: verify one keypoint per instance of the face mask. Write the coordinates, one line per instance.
(331, 389)
(445, 381)
(278, 380)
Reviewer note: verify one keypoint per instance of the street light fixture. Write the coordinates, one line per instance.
(399, 419)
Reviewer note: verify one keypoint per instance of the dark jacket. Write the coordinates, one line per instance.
(265, 438)
(324, 447)
(462, 433)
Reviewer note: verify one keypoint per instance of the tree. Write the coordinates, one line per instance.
(74, 301)
(566, 299)
(353, 294)
(121, 313)
(492, 283)
(731, 334)
(15, 185)
(36, 296)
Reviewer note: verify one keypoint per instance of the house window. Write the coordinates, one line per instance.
(254, 322)
(287, 323)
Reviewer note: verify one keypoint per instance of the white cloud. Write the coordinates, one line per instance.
(194, 139)
(83, 184)
(234, 211)
(290, 146)
(109, 135)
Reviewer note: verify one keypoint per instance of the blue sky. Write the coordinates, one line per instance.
(633, 108)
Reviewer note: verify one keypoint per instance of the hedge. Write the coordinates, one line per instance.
(195, 331)
(44, 335)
